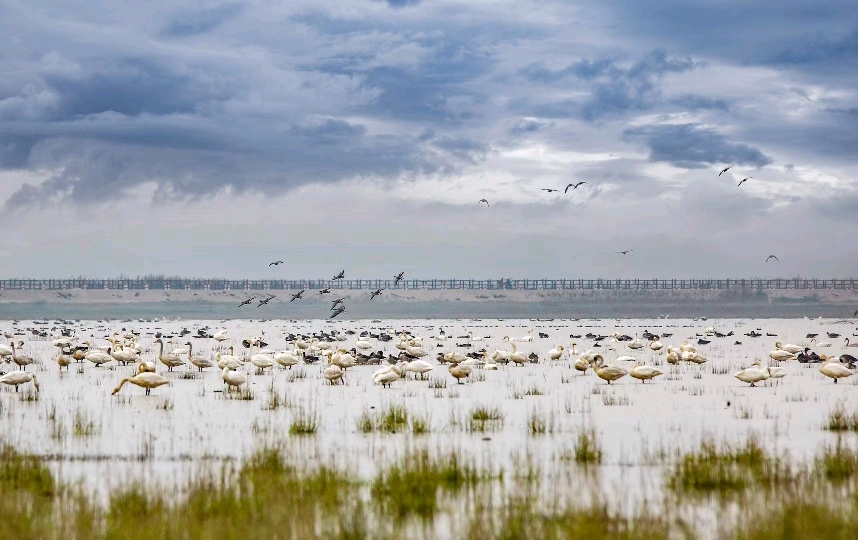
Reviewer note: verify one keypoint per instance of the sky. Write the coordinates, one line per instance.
(208, 139)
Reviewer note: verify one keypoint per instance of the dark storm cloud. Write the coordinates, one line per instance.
(693, 146)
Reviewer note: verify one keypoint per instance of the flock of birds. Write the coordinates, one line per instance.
(337, 306)
(331, 348)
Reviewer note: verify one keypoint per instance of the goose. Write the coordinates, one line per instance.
(833, 369)
(754, 374)
(419, 367)
(556, 352)
(63, 360)
(233, 378)
(286, 359)
(333, 373)
(644, 373)
(608, 373)
(459, 372)
(16, 378)
(199, 361)
(227, 360)
(21, 359)
(221, 336)
(169, 360)
(795, 349)
(143, 380)
(781, 355)
(655, 345)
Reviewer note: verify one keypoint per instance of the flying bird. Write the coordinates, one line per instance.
(249, 300)
(265, 301)
(338, 311)
(297, 296)
(325, 291)
(337, 302)
(341, 275)
(725, 169)
(485, 201)
(573, 186)
(275, 263)
(376, 293)
(398, 277)
(772, 257)
(744, 180)
(625, 252)
(549, 190)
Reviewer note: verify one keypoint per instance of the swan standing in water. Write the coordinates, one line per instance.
(169, 360)
(608, 373)
(199, 361)
(517, 357)
(286, 359)
(17, 378)
(754, 374)
(459, 372)
(223, 335)
(419, 367)
(834, 369)
(556, 352)
(781, 355)
(333, 373)
(21, 359)
(233, 378)
(63, 360)
(145, 380)
(227, 360)
(795, 349)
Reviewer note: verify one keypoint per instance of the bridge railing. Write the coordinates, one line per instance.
(216, 284)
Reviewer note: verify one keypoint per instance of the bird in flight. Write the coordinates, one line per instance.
(376, 293)
(337, 302)
(341, 275)
(485, 201)
(338, 311)
(550, 190)
(275, 263)
(249, 300)
(772, 257)
(573, 186)
(265, 301)
(325, 291)
(725, 169)
(297, 296)
(744, 180)
(624, 252)
(398, 277)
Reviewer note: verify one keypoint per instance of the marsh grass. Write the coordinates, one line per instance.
(242, 394)
(83, 425)
(485, 418)
(540, 424)
(724, 468)
(841, 420)
(436, 383)
(587, 448)
(533, 390)
(304, 422)
(165, 404)
(293, 375)
(393, 419)
(837, 464)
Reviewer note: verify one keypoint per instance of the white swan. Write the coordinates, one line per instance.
(388, 375)
(286, 359)
(636, 344)
(781, 355)
(795, 349)
(644, 373)
(821, 343)
(233, 378)
(459, 372)
(754, 374)
(655, 345)
(419, 367)
(98, 357)
(685, 347)
(63, 360)
(608, 373)
(673, 356)
(143, 380)
(223, 335)
(227, 360)
(834, 369)
(515, 356)
(333, 373)
(556, 352)
(526, 339)
(363, 344)
(124, 356)
(146, 367)
(16, 378)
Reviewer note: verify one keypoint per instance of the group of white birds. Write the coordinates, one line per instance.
(128, 350)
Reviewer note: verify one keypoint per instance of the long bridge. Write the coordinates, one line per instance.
(216, 284)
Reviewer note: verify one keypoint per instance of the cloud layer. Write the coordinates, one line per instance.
(116, 117)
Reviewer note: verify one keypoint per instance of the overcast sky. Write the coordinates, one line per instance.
(208, 139)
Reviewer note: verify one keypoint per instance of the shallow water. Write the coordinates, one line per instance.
(180, 428)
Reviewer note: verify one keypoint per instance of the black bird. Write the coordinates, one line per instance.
(855, 314)
(625, 252)
(549, 190)
(265, 301)
(337, 302)
(339, 310)
(725, 169)
(772, 257)
(485, 201)
(573, 186)
(341, 275)
(275, 263)
(297, 296)
(376, 293)
(744, 180)
(398, 277)
(249, 300)
(833, 335)
(811, 336)
(325, 291)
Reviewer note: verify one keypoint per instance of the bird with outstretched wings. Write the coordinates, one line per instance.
(573, 186)
(624, 252)
(772, 257)
(275, 263)
(484, 201)
(725, 169)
